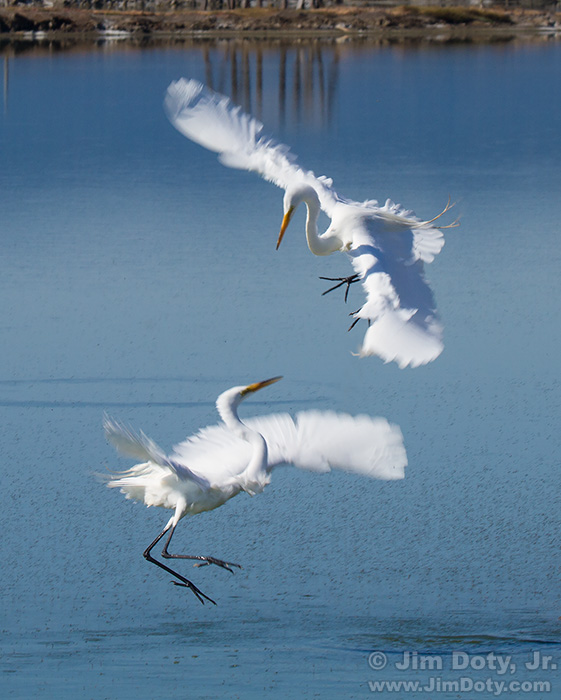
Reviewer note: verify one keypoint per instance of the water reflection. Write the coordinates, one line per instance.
(295, 78)
(303, 85)
(6, 82)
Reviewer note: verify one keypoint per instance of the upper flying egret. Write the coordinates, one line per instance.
(387, 244)
(219, 461)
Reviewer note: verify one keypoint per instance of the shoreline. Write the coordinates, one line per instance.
(454, 22)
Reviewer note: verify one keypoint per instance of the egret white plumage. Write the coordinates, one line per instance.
(220, 461)
(387, 244)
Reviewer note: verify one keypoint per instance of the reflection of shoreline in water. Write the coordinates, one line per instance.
(6, 82)
(274, 79)
(300, 82)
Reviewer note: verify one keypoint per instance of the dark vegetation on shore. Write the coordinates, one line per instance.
(15, 20)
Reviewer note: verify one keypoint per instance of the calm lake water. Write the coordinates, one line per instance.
(138, 276)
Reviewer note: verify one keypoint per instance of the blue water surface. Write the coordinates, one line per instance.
(138, 276)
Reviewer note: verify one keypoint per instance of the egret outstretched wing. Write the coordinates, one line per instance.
(313, 440)
(211, 120)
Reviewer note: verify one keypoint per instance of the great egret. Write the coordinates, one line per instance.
(387, 244)
(219, 461)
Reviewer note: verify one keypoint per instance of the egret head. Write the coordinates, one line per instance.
(292, 198)
(232, 398)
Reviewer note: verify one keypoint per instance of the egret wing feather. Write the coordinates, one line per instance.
(314, 440)
(422, 242)
(215, 453)
(132, 444)
(400, 306)
(361, 444)
(214, 122)
(148, 483)
(140, 446)
(428, 241)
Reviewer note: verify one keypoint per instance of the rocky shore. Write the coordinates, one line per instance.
(32, 21)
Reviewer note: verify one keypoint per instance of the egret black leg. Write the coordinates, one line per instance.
(341, 281)
(182, 580)
(203, 561)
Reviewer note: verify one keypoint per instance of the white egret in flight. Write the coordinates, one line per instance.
(387, 245)
(220, 461)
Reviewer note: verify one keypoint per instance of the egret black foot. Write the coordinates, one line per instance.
(356, 320)
(206, 561)
(191, 586)
(341, 281)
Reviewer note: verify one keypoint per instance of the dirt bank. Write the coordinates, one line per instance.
(16, 21)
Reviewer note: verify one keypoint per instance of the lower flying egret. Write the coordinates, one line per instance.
(220, 461)
(387, 244)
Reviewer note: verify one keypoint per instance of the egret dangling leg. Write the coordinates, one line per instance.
(182, 580)
(204, 561)
(351, 279)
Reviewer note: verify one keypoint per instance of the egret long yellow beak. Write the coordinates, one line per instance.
(285, 222)
(259, 385)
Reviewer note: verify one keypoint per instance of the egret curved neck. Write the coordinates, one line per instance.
(319, 245)
(256, 470)
(254, 477)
